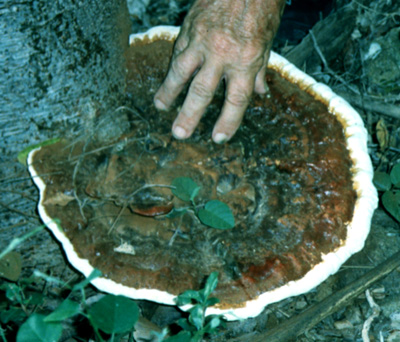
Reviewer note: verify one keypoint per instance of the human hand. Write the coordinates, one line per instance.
(220, 39)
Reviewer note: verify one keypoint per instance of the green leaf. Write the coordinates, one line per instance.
(67, 309)
(217, 214)
(196, 316)
(215, 322)
(184, 324)
(183, 336)
(114, 314)
(382, 181)
(185, 188)
(14, 314)
(391, 204)
(23, 155)
(395, 175)
(35, 329)
(397, 196)
(13, 293)
(211, 301)
(188, 296)
(212, 324)
(34, 298)
(211, 284)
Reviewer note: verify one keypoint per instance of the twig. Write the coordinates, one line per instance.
(116, 219)
(306, 320)
(375, 313)
(327, 68)
(147, 186)
(371, 105)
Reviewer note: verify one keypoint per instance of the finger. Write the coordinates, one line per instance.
(239, 90)
(199, 96)
(181, 69)
(261, 86)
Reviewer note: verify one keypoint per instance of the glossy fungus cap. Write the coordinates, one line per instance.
(321, 266)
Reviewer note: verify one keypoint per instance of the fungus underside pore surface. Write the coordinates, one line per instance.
(286, 176)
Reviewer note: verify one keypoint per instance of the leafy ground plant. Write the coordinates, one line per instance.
(113, 315)
(389, 184)
(198, 324)
(25, 314)
(23, 307)
(214, 213)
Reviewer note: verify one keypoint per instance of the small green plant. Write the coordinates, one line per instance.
(214, 213)
(113, 315)
(25, 309)
(198, 324)
(389, 184)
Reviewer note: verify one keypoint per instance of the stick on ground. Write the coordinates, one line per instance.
(297, 325)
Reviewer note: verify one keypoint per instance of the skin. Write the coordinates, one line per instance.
(226, 40)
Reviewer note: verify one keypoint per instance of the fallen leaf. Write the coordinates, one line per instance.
(59, 199)
(10, 266)
(382, 134)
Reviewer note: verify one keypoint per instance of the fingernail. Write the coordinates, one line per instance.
(179, 132)
(220, 138)
(160, 105)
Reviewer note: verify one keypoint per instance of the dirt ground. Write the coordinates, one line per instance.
(364, 69)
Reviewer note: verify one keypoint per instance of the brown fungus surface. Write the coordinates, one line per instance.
(286, 176)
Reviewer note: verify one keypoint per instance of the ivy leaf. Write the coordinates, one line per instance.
(391, 204)
(114, 314)
(382, 181)
(217, 214)
(35, 329)
(185, 188)
(395, 175)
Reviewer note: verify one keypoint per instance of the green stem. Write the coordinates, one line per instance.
(3, 337)
(17, 241)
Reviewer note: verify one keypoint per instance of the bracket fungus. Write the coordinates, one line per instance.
(297, 177)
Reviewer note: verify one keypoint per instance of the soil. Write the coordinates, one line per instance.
(352, 72)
